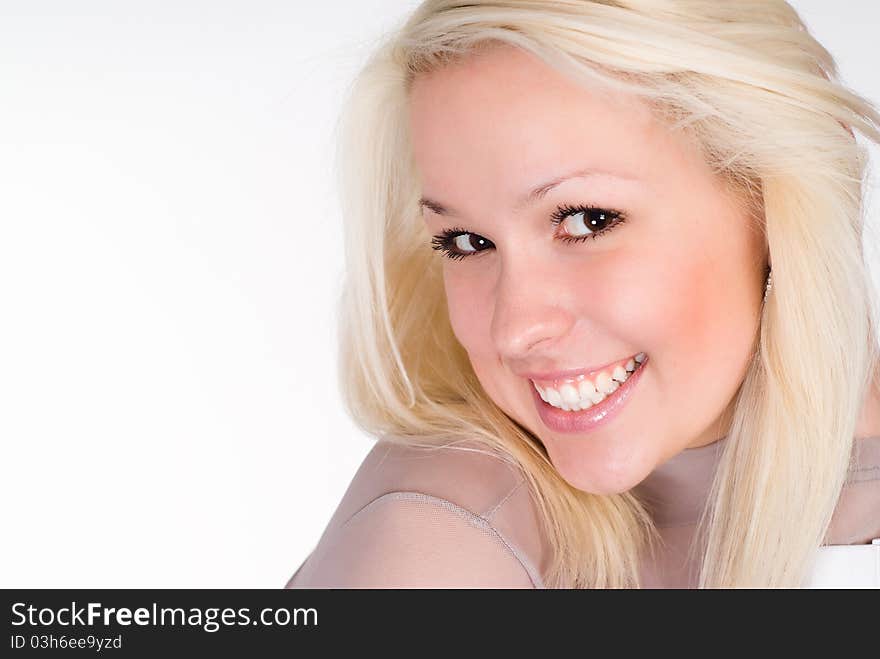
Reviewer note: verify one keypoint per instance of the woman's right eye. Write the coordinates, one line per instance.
(458, 243)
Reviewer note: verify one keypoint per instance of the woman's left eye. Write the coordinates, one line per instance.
(580, 222)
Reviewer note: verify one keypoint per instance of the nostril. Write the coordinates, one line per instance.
(519, 330)
(536, 342)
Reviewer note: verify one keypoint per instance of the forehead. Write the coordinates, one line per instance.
(502, 119)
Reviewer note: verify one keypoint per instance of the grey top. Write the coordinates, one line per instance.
(460, 517)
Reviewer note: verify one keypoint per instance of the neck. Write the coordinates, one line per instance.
(676, 491)
(868, 424)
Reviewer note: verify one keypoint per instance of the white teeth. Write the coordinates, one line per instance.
(587, 390)
(603, 383)
(569, 395)
(573, 397)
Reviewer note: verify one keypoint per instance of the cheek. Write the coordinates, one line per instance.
(695, 310)
(470, 308)
(672, 302)
(470, 301)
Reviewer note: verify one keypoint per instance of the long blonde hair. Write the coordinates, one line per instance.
(763, 100)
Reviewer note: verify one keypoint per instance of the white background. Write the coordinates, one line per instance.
(170, 259)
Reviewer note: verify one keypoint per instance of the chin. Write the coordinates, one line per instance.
(596, 471)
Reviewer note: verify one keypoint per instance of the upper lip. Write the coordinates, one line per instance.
(572, 372)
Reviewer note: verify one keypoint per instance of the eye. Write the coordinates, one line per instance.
(582, 222)
(458, 243)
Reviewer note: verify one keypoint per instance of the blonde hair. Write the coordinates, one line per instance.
(762, 99)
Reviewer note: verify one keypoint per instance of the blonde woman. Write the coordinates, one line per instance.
(607, 308)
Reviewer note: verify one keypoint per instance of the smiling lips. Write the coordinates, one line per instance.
(583, 391)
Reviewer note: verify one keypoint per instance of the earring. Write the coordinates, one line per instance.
(769, 285)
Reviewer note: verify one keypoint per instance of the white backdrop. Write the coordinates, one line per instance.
(170, 258)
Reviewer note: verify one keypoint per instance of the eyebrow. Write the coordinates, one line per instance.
(535, 194)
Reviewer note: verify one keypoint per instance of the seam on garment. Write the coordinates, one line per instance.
(864, 474)
(489, 514)
(477, 520)
(680, 525)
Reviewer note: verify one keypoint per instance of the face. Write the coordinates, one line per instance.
(576, 233)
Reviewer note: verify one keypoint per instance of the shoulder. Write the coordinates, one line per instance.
(412, 540)
(450, 516)
(856, 518)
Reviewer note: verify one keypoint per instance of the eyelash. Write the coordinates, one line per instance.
(445, 241)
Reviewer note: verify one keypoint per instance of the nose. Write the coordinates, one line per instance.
(529, 315)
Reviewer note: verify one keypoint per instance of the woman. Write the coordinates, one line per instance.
(643, 349)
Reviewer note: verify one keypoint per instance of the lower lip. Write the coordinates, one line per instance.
(592, 418)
